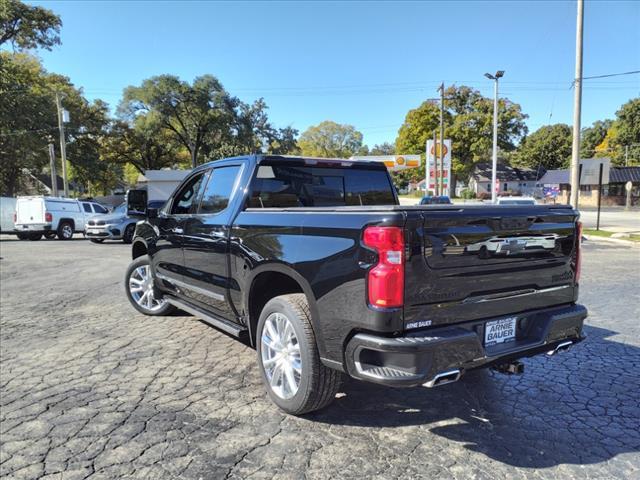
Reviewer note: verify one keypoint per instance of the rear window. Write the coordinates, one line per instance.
(280, 186)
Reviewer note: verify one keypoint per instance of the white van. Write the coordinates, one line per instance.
(50, 216)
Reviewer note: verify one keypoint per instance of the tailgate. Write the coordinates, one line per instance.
(29, 211)
(478, 262)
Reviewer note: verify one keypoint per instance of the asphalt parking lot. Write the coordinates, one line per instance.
(89, 388)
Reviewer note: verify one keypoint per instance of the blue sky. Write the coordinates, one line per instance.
(362, 63)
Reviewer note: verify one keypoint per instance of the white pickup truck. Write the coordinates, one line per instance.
(50, 216)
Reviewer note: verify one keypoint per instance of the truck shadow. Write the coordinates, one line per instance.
(578, 407)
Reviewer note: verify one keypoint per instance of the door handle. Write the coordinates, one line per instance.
(177, 230)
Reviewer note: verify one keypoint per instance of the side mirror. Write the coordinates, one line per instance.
(136, 202)
(152, 213)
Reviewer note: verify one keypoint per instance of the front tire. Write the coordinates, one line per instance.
(65, 231)
(295, 378)
(138, 284)
(49, 234)
(96, 240)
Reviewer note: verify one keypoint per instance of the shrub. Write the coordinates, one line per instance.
(467, 194)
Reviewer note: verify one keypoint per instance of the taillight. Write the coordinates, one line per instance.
(386, 278)
(15, 217)
(48, 217)
(578, 251)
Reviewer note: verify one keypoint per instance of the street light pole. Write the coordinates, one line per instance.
(435, 164)
(577, 106)
(441, 171)
(494, 163)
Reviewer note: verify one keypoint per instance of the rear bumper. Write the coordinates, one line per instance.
(32, 227)
(418, 358)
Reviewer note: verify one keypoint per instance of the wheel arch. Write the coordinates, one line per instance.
(67, 220)
(269, 282)
(139, 248)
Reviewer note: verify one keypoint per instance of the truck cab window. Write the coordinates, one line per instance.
(216, 195)
(282, 186)
(87, 207)
(184, 201)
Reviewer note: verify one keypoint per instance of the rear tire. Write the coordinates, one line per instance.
(127, 236)
(49, 234)
(65, 231)
(22, 236)
(296, 379)
(138, 284)
(35, 236)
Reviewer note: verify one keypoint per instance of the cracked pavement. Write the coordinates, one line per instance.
(89, 388)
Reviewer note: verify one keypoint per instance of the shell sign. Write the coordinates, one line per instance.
(394, 163)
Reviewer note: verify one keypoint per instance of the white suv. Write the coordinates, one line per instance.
(50, 216)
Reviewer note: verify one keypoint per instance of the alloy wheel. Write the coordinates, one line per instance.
(67, 231)
(280, 355)
(141, 289)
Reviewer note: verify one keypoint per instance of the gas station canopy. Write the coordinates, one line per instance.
(394, 163)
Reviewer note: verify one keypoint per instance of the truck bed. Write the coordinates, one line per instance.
(463, 262)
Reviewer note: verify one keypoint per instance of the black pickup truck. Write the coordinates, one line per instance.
(318, 267)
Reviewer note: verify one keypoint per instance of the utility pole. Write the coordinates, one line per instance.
(494, 162)
(441, 180)
(426, 167)
(626, 152)
(626, 155)
(63, 145)
(54, 175)
(577, 106)
(435, 163)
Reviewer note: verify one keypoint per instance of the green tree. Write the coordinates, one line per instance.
(204, 118)
(26, 119)
(25, 26)
(627, 133)
(593, 136)
(88, 124)
(198, 115)
(383, 149)
(252, 132)
(284, 142)
(144, 145)
(468, 120)
(549, 147)
(330, 140)
(28, 122)
(471, 127)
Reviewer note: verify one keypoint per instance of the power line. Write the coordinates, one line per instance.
(612, 75)
(530, 85)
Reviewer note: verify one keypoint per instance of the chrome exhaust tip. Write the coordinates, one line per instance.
(561, 347)
(443, 378)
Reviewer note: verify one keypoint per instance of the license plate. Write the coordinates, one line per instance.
(500, 331)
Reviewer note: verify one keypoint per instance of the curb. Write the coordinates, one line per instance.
(619, 241)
